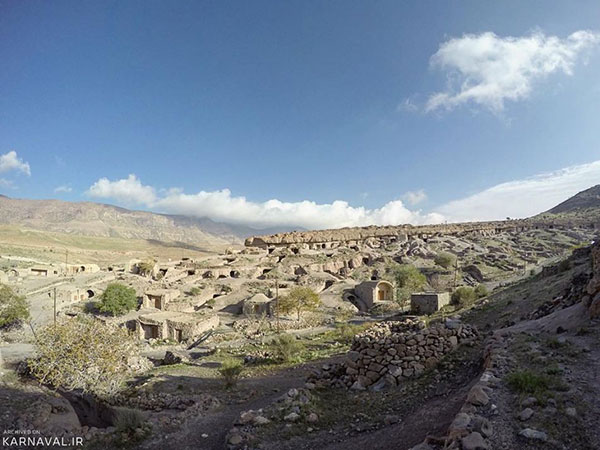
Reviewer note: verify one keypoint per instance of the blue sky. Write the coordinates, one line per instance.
(316, 114)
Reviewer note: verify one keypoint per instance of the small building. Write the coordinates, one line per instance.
(174, 325)
(369, 292)
(257, 305)
(428, 302)
(43, 271)
(159, 298)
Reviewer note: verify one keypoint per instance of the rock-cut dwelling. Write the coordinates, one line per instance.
(174, 325)
(159, 298)
(369, 292)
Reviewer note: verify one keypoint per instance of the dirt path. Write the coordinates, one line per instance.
(216, 423)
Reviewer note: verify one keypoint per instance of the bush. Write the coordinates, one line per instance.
(298, 300)
(13, 308)
(127, 419)
(463, 296)
(564, 265)
(84, 354)
(286, 348)
(118, 299)
(146, 267)
(445, 260)
(195, 291)
(528, 382)
(231, 370)
(481, 291)
(408, 280)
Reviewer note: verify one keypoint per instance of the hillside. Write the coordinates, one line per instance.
(583, 201)
(100, 220)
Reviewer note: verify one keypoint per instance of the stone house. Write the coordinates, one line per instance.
(428, 302)
(174, 325)
(159, 298)
(257, 305)
(369, 292)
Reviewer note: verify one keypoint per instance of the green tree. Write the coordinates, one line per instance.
(118, 299)
(463, 296)
(481, 291)
(84, 354)
(409, 279)
(13, 307)
(299, 299)
(445, 260)
(146, 267)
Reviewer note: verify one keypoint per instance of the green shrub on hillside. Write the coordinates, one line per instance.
(118, 299)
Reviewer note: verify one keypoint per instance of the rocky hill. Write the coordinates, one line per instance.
(94, 219)
(583, 201)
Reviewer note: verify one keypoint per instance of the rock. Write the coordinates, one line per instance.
(572, 412)
(235, 439)
(529, 401)
(595, 307)
(312, 418)
(293, 393)
(379, 386)
(247, 417)
(309, 386)
(474, 441)
(530, 433)
(391, 419)
(174, 358)
(292, 417)
(526, 414)
(460, 422)
(260, 420)
(357, 386)
(477, 396)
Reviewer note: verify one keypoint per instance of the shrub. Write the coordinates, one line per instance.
(146, 267)
(463, 296)
(445, 260)
(286, 348)
(481, 291)
(231, 370)
(83, 354)
(13, 308)
(195, 291)
(528, 382)
(127, 419)
(564, 265)
(299, 299)
(118, 299)
(408, 280)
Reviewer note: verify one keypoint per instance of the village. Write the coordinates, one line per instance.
(186, 300)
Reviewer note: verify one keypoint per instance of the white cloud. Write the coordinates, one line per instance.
(488, 70)
(10, 161)
(415, 197)
(223, 206)
(523, 198)
(7, 184)
(63, 189)
(517, 199)
(129, 191)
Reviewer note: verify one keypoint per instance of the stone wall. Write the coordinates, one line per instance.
(389, 352)
(324, 239)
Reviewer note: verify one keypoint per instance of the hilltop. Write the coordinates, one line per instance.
(583, 201)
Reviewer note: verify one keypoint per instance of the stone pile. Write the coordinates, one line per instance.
(389, 352)
(295, 406)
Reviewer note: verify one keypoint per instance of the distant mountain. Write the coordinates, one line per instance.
(585, 200)
(96, 219)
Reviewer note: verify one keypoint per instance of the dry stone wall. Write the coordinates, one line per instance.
(390, 352)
